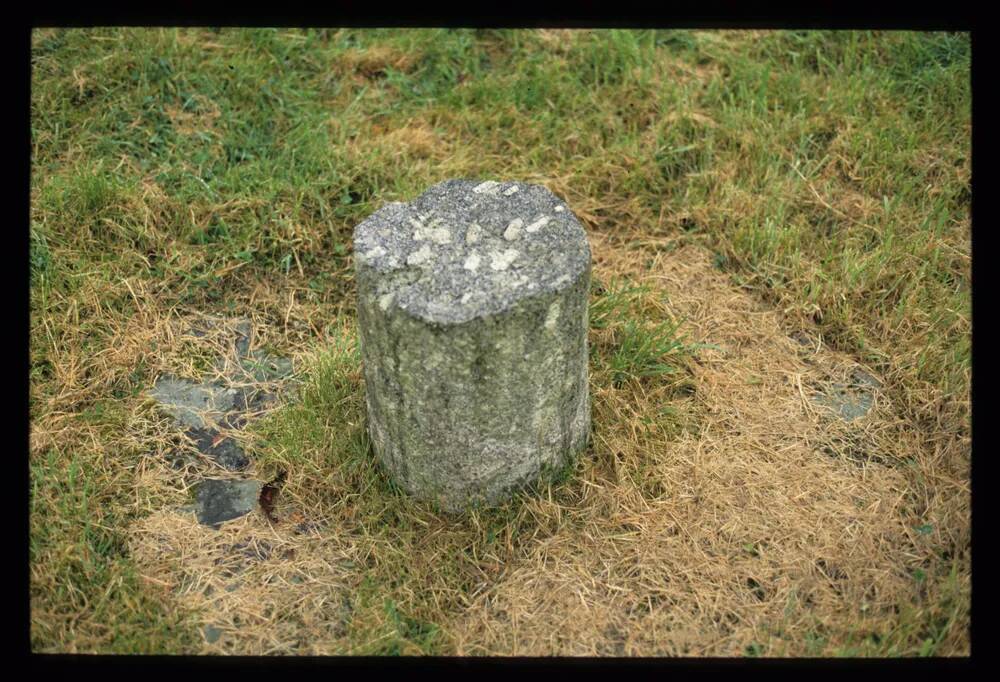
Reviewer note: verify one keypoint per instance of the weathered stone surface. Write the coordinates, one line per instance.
(219, 500)
(472, 307)
(246, 385)
(223, 450)
(211, 633)
(852, 400)
(193, 405)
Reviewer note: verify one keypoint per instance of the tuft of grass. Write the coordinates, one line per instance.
(299, 436)
(39, 257)
(409, 632)
(609, 303)
(642, 351)
(638, 348)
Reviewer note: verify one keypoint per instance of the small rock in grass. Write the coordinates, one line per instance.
(849, 401)
(192, 404)
(219, 500)
(223, 450)
(244, 332)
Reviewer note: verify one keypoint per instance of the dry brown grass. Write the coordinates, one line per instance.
(201, 120)
(372, 62)
(768, 523)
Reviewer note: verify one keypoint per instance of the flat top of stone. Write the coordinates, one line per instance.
(470, 248)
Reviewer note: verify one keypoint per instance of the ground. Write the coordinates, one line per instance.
(780, 341)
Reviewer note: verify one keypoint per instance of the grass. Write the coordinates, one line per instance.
(726, 179)
(634, 349)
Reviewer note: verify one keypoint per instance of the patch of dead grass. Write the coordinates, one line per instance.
(372, 62)
(415, 139)
(714, 540)
(200, 120)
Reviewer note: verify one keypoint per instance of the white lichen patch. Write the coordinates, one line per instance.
(488, 187)
(421, 255)
(560, 209)
(466, 296)
(561, 280)
(510, 190)
(440, 235)
(472, 262)
(538, 224)
(473, 234)
(552, 316)
(422, 232)
(385, 300)
(440, 307)
(502, 261)
(373, 252)
(513, 230)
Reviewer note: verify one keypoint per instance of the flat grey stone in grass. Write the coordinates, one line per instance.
(852, 400)
(201, 407)
(211, 633)
(472, 311)
(223, 450)
(218, 500)
(193, 405)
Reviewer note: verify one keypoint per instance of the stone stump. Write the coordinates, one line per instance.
(472, 314)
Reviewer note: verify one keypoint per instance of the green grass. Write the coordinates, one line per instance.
(637, 345)
(640, 351)
(180, 170)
